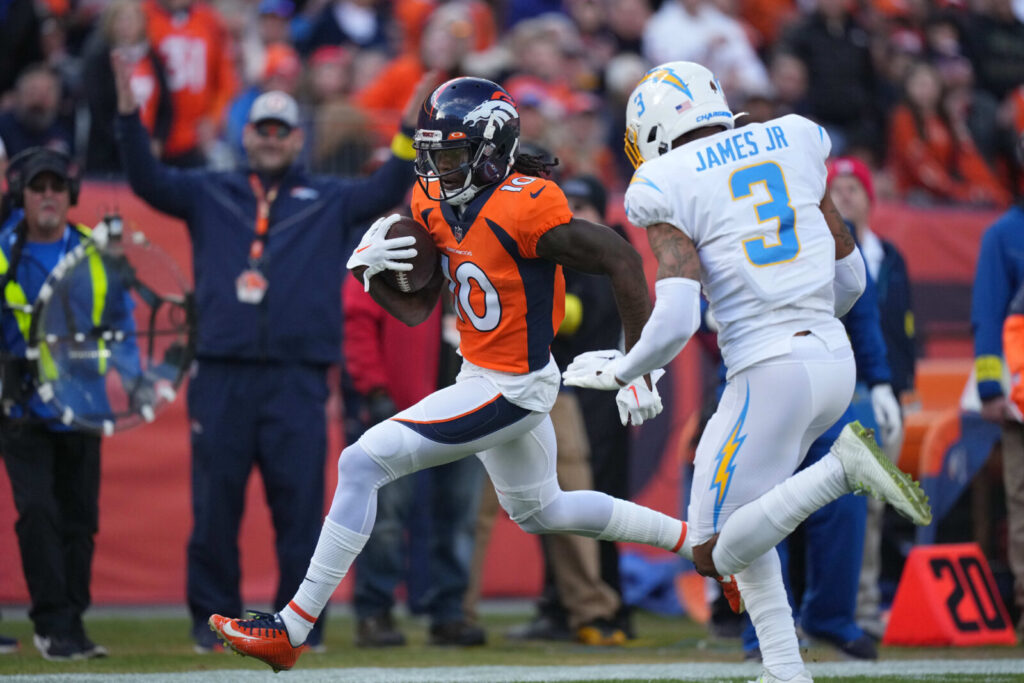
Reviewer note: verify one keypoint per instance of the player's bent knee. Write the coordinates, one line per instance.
(521, 510)
(391, 445)
(356, 465)
(543, 520)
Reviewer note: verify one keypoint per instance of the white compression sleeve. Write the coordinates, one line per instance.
(676, 316)
(850, 281)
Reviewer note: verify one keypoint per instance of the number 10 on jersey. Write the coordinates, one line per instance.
(777, 208)
(480, 306)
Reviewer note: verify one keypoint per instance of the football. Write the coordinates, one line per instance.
(423, 264)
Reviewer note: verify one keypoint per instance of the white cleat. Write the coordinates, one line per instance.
(869, 471)
(767, 677)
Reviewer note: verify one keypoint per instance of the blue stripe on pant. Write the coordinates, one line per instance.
(488, 418)
(243, 415)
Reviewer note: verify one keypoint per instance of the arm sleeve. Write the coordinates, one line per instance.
(167, 189)
(849, 282)
(989, 303)
(864, 327)
(362, 338)
(676, 316)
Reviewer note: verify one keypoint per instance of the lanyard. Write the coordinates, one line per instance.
(263, 202)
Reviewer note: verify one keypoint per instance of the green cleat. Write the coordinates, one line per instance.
(869, 471)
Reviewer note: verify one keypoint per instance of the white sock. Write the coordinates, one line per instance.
(765, 597)
(634, 523)
(759, 525)
(334, 554)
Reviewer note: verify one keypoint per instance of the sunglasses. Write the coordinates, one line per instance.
(274, 129)
(56, 184)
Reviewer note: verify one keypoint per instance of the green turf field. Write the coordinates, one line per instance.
(144, 644)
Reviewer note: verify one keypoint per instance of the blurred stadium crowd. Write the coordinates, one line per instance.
(929, 93)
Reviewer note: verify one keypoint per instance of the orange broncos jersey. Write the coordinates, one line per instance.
(197, 51)
(509, 302)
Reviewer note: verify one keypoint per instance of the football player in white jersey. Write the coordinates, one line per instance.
(743, 214)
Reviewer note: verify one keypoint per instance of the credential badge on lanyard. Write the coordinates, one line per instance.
(251, 285)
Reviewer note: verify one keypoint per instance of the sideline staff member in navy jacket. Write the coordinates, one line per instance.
(269, 245)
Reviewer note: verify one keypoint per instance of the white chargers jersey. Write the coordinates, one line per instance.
(749, 199)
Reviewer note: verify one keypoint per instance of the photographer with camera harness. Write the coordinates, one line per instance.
(54, 467)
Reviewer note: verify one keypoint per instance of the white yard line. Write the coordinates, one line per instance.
(898, 670)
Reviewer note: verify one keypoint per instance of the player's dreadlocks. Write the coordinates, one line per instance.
(537, 165)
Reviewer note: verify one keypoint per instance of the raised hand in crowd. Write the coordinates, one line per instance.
(122, 68)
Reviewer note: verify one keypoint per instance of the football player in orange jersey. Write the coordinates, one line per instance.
(503, 234)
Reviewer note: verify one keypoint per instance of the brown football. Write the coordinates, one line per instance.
(423, 264)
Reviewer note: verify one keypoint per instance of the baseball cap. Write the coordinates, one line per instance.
(277, 106)
(43, 160)
(279, 8)
(855, 167)
(589, 189)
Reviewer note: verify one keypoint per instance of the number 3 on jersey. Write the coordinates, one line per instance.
(476, 299)
(777, 208)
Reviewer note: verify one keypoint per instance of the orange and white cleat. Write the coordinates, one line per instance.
(731, 591)
(263, 636)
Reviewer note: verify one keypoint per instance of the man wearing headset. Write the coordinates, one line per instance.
(54, 469)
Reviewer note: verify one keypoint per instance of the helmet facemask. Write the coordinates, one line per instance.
(454, 171)
(466, 139)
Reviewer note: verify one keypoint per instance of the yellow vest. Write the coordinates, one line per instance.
(16, 300)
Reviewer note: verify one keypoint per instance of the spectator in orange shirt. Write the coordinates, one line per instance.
(412, 16)
(192, 40)
(931, 153)
(448, 37)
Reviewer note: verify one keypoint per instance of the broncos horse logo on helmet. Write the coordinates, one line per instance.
(466, 139)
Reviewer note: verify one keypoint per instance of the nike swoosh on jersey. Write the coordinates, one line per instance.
(537, 193)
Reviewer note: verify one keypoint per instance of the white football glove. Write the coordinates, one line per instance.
(887, 414)
(638, 403)
(594, 370)
(377, 253)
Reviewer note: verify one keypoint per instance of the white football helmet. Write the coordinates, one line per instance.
(672, 99)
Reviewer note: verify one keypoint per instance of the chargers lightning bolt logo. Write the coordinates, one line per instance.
(725, 461)
(668, 77)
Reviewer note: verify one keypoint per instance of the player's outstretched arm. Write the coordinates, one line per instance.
(676, 253)
(676, 315)
(411, 309)
(597, 249)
